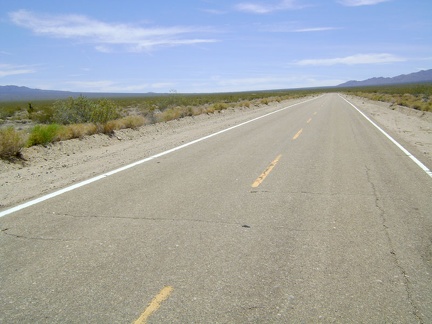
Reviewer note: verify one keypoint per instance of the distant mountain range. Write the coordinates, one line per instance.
(15, 93)
(417, 77)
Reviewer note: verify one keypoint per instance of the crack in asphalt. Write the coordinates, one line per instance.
(151, 219)
(314, 193)
(24, 237)
(406, 281)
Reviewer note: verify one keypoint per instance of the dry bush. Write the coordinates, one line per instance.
(134, 121)
(245, 104)
(111, 126)
(264, 101)
(169, 114)
(218, 106)
(81, 130)
(197, 110)
(11, 142)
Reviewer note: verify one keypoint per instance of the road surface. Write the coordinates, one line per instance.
(309, 214)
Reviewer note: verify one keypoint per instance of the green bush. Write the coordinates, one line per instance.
(83, 110)
(44, 134)
(104, 110)
(11, 142)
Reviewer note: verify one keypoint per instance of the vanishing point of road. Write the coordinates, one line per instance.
(309, 214)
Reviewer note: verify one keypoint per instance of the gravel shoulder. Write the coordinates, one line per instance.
(46, 169)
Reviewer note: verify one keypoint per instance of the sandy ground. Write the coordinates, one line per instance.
(46, 169)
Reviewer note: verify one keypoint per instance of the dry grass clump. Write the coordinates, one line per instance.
(81, 130)
(245, 104)
(11, 142)
(173, 113)
(265, 101)
(133, 121)
(218, 106)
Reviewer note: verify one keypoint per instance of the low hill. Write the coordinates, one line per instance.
(16, 93)
(417, 77)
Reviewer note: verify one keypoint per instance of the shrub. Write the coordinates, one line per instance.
(220, 106)
(246, 104)
(81, 130)
(44, 134)
(42, 115)
(11, 142)
(82, 110)
(110, 126)
(133, 121)
(103, 111)
(168, 114)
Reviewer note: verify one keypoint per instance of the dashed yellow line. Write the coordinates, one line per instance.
(309, 120)
(155, 304)
(264, 175)
(298, 134)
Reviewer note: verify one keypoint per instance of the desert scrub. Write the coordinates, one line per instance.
(11, 142)
(80, 130)
(133, 121)
(44, 134)
(173, 113)
(218, 106)
(83, 110)
(264, 101)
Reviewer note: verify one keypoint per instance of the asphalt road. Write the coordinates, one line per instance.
(307, 215)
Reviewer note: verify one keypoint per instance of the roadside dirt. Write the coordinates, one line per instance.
(45, 169)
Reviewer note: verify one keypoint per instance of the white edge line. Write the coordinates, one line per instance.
(405, 151)
(107, 174)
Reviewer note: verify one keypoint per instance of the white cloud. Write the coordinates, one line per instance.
(8, 69)
(111, 86)
(353, 60)
(357, 3)
(313, 29)
(106, 35)
(292, 27)
(263, 8)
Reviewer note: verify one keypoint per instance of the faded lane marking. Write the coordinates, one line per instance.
(298, 134)
(315, 113)
(155, 304)
(264, 175)
(309, 120)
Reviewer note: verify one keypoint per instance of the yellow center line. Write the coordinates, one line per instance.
(263, 175)
(154, 305)
(298, 134)
(309, 120)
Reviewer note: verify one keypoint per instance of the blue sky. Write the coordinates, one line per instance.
(209, 45)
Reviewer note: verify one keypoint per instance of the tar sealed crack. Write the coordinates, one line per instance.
(393, 253)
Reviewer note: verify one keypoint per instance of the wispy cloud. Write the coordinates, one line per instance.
(9, 69)
(104, 35)
(293, 27)
(357, 3)
(112, 86)
(353, 60)
(313, 29)
(264, 8)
